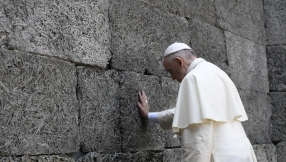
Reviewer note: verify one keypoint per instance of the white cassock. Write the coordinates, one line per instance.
(208, 117)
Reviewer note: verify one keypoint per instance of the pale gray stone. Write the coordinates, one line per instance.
(172, 155)
(275, 24)
(247, 63)
(99, 110)
(276, 58)
(244, 18)
(137, 133)
(281, 149)
(77, 31)
(141, 34)
(208, 42)
(44, 158)
(265, 152)
(278, 118)
(203, 10)
(258, 109)
(38, 113)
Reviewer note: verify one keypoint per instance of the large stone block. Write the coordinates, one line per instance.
(208, 42)
(265, 152)
(276, 58)
(140, 35)
(137, 133)
(258, 109)
(99, 110)
(281, 149)
(278, 118)
(145, 156)
(48, 158)
(275, 24)
(203, 10)
(172, 155)
(38, 112)
(244, 18)
(72, 30)
(247, 63)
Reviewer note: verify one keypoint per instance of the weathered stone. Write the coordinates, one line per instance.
(170, 90)
(208, 42)
(276, 58)
(281, 149)
(74, 30)
(38, 113)
(137, 133)
(244, 18)
(247, 63)
(51, 158)
(265, 152)
(172, 155)
(99, 108)
(203, 10)
(278, 118)
(140, 35)
(258, 109)
(145, 156)
(275, 24)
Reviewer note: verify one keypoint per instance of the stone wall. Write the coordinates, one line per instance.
(71, 72)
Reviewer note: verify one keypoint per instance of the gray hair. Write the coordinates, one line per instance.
(186, 54)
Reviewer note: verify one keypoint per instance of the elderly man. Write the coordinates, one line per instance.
(208, 111)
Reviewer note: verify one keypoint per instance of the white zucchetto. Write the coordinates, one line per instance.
(175, 47)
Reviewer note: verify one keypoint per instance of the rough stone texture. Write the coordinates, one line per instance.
(38, 113)
(74, 30)
(276, 58)
(99, 106)
(172, 155)
(137, 133)
(278, 118)
(119, 157)
(258, 109)
(203, 10)
(275, 22)
(247, 63)
(208, 42)
(52, 158)
(140, 35)
(244, 18)
(265, 153)
(170, 90)
(281, 149)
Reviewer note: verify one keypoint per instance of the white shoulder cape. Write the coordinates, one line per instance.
(206, 93)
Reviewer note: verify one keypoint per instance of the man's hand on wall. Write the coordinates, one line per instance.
(143, 104)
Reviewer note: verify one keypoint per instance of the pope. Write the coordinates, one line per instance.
(208, 112)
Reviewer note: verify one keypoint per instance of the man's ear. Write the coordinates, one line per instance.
(179, 61)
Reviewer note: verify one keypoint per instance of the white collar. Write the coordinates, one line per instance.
(194, 64)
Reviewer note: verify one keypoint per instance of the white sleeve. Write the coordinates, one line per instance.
(153, 117)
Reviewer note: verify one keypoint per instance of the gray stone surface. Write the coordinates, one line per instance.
(38, 113)
(258, 109)
(170, 90)
(74, 30)
(48, 158)
(172, 155)
(99, 110)
(140, 35)
(203, 10)
(137, 133)
(281, 149)
(120, 157)
(278, 118)
(208, 42)
(276, 58)
(275, 22)
(244, 18)
(247, 63)
(265, 153)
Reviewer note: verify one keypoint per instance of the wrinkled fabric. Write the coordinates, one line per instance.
(206, 94)
(165, 118)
